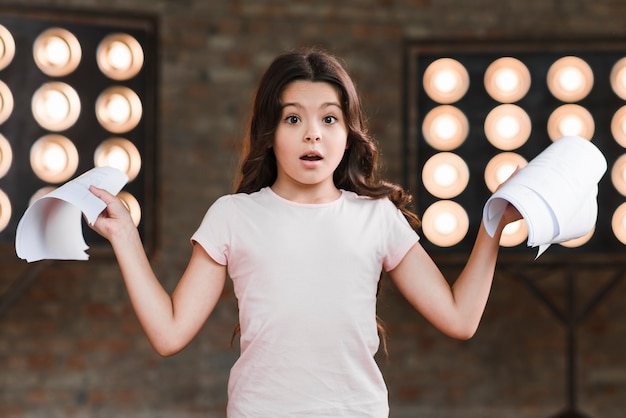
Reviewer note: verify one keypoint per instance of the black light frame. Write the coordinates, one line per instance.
(539, 103)
(23, 78)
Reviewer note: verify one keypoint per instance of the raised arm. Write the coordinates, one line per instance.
(455, 310)
(170, 322)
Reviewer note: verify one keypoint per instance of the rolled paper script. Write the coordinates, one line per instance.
(556, 193)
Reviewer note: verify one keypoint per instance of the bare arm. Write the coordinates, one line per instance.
(455, 310)
(170, 322)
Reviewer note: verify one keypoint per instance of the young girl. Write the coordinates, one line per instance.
(304, 240)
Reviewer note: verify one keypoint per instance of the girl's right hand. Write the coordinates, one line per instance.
(115, 220)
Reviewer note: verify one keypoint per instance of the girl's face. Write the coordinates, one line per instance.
(310, 140)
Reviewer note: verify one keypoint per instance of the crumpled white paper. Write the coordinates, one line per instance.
(556, 193)
(51, 228)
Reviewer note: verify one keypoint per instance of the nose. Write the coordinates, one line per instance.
(312, 138)
(312, 134)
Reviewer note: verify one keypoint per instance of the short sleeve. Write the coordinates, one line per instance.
(214, 232)
(399, 237)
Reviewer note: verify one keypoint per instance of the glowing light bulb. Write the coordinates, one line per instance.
(54, 157)
(507, 80)
(120, 56)
(56, 51)
(571, 79)
(118, 108)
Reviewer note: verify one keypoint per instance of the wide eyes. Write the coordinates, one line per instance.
(293, 119)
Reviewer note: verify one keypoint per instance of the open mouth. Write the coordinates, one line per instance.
(311, 157)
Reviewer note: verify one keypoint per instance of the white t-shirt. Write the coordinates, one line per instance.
(305, 277)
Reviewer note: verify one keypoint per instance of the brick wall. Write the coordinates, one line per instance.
(70, 346)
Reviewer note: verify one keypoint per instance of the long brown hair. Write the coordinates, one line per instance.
(358, 169)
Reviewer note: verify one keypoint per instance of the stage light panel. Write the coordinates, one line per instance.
(79, 81)
(569, 88)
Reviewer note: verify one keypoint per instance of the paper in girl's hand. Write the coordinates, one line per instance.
(51, 228)
(556, 193)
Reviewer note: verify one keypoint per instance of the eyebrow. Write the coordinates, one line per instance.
(323, 106)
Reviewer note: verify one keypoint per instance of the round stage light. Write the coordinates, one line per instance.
(618, 223)
(132, 205)
(57, 52)
(118, 109)
(618, 174)
(445, 175)
(7, 47)
(56, 106)
(5, 210)
(570, 120)
(618, 126)
(570, 79)
(445, 223)
(6, 156)
(507, 80)
(446, 80)
(40, 193)
(445, 128)
(618, 78)
(579, 242)
(507, 127)
(120, 56)
(54, 158)
(500, 168)
(6, 102)
(514, 234)
(121, 154)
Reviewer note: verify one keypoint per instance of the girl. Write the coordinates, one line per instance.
(304, 239)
